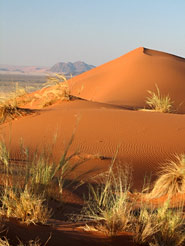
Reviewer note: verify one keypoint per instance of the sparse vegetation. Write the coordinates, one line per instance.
(160, 227)
(159, 103)
(26, 188)
(163, 225)
(9, 106)
(143, 226)
(109, 208)
(112, 209)
(55, 79)
(4, 242)
(9, 109)
(108, 203)
(24, 205)
(56, 88)
(32, 243)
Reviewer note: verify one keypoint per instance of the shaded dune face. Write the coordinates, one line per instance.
(126, 80)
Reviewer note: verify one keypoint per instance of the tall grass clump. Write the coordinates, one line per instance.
(43, 174)
(4, 155)
(16, 197)
(24, 205)
(56, 88)
(27, 188)
(159, 103)
(9, 109)
(143, 226)
(171, 178)
(108, 203)
(4, 242)
(9, 106)
(35, 242)
(160, 227)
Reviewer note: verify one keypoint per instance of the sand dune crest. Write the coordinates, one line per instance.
(126, 80)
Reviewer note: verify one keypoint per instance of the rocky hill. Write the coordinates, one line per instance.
(71, 68)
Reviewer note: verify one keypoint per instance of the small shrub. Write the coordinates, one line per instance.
(158, 102)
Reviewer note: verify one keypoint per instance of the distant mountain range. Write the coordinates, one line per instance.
(71, 68)
(66, 68)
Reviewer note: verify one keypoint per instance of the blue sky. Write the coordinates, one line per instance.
(44, 32)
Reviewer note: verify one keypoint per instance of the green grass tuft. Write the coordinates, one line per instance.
(108, 203)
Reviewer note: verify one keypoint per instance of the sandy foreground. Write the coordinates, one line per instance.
(105, 119)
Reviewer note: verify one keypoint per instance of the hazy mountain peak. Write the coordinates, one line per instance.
(71, 68)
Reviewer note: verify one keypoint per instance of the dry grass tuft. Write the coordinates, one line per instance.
(9, 109)
(31, 243)
(56, 88)
(171, 178)
(160, 227)
(4, 242)
(4, 155)
(159, 103)
(43, 174)
(26, 188)
(9, 106)
(108, 203)
(143, 226)
(24, 205)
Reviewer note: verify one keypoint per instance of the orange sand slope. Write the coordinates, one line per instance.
(125, 80)
(145, 138)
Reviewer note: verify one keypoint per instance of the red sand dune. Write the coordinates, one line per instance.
(125, 80)
(145, 139)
